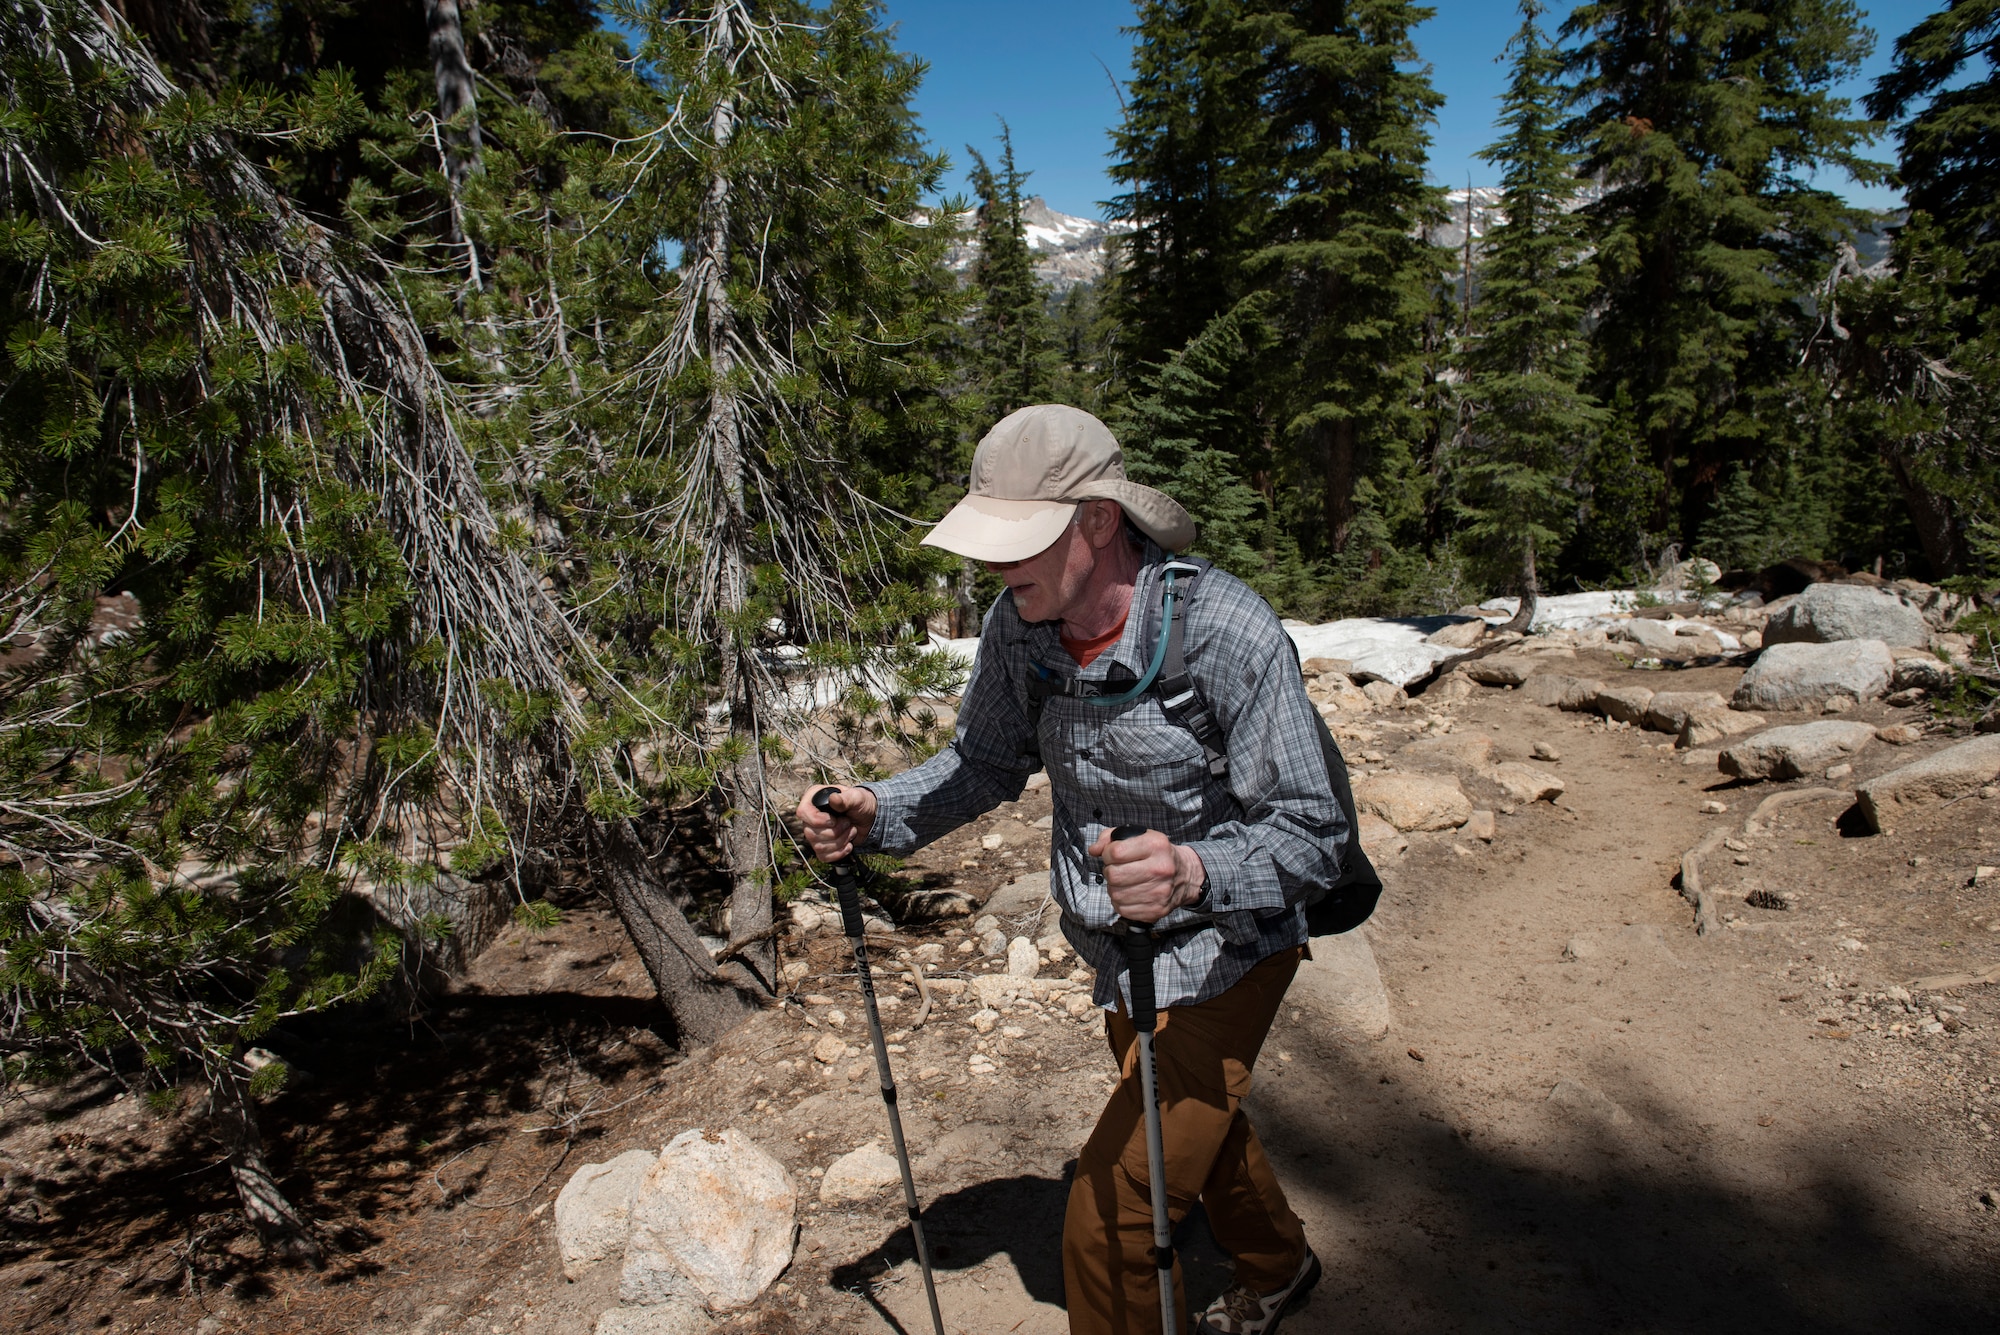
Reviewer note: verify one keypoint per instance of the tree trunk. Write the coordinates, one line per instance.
(456, 96)
(1938, 528)
(455, 89)
(747, 835)
(1524, 615)
(283, 1230)
(705, 1001)
(1338, 494)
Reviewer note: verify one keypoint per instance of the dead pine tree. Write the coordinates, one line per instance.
(337, 672)
(804, 295)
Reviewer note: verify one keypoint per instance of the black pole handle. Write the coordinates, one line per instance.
(1139, 951)
(846, 885)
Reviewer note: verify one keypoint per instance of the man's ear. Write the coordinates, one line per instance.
(1103, 521)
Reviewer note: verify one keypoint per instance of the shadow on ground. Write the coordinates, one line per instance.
(1421, 1230)
(381, 1120)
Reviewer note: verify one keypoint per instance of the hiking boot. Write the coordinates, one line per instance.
(1243, 1312)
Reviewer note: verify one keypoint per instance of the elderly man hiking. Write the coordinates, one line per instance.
(1165, 702)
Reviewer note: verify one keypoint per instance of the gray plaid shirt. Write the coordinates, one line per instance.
(1267, 833)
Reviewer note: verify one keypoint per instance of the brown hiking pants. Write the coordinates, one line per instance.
(1204, 1054)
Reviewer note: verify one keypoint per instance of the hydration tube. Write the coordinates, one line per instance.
(1159, 654)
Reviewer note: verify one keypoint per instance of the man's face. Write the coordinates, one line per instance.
(1050, 583)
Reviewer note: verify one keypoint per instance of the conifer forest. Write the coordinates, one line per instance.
(456, 450)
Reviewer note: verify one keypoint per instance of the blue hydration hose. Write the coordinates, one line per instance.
(1159, 654)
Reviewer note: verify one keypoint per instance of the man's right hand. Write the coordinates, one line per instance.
(833, 835)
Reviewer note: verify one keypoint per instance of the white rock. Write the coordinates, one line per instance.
(1383, 695)
(1684, 576)
(1525, 784)
(993, 943)
(858, 1176)
(1413, 801)
(1627, 704)
(712, 1223)
(1951, 773)
(1826, 613)
(1502, 669)
(1921, 669)
(1703, 726)
(674, 1318)
(1657, 639)
(1805, 676)
(1794, 752)
(1379, 839)
(1026, 893)
(1668, 711)
(1023, 960)
(1454, 685)
(594, 1210)
(992, 842)
(1459, 634)
(1342, 986)
(1557, 691)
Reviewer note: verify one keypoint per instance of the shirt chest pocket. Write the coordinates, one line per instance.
(1160, 761)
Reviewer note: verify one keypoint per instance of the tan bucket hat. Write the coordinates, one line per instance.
(1030, 473)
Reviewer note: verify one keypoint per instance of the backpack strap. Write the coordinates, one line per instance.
(1178, 697)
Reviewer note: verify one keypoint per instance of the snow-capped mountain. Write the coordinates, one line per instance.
(1068, 250)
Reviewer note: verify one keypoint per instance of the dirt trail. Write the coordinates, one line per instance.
(1717, 1161)
(1742, 1135)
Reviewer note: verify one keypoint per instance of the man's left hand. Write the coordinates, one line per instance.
(1149, 876)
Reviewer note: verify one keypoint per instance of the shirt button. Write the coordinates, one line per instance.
(1083, 753)
(1097, 814)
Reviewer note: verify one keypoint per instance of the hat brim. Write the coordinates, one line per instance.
(987, 528)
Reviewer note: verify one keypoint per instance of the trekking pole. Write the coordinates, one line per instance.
(847, 885)
(1137, 938)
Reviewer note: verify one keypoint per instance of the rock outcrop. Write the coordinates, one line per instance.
(1827, 613)
(1795, 752)
(594, 1210)
(1951, 773)
(1413, 801)
(713, 1223)
(1805, 676)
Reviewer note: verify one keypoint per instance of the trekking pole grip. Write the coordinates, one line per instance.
(846, 885)
(1139, 950)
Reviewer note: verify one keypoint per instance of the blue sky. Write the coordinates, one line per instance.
(1037, 63)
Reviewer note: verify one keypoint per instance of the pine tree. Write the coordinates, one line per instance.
(1529, 422)
(1182, 433)
(1706, 121)
(1198, 170)
(1949, 144)
(1012, 353)
(1348, 109)
(335, 673)
(772, 378)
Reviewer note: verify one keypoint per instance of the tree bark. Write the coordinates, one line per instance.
(1338, 494)
(747, 835)
(1938, 529)
(456, 97)
(1524, 615)
(283, 1230)
(706, 1002)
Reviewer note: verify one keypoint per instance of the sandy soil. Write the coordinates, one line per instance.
(1749, 1130)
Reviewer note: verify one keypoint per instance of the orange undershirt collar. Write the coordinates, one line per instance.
(1086, 651)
